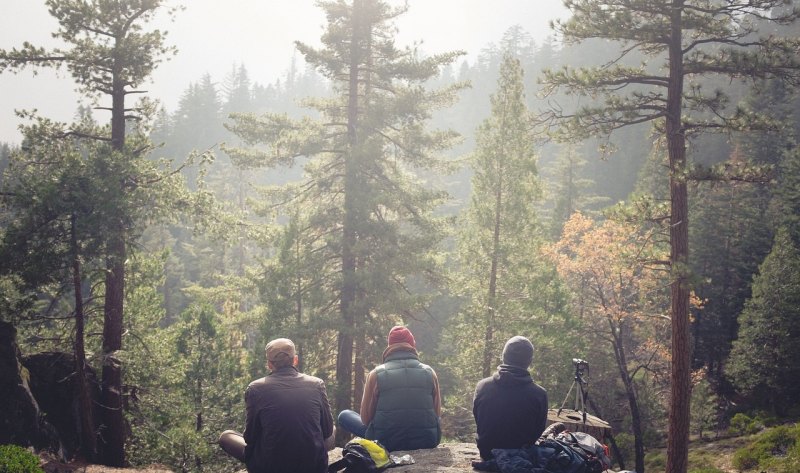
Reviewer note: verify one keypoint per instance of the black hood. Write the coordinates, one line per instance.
(510, 375)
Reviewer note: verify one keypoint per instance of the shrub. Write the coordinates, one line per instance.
(771, 449)
(15, 459)
(742, 424)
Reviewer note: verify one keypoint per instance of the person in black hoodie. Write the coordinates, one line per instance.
(510, 409)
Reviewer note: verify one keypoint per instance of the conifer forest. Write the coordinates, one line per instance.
(625, 192)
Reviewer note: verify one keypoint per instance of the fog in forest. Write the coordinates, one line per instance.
(622, 188)
(212, 37)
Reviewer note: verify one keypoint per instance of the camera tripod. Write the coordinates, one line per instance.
(581, 393)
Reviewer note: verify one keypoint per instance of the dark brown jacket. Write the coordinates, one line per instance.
(288, 420)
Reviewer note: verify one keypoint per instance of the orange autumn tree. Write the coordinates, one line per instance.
(620, 293)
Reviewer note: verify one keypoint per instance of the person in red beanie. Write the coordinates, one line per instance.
(401, 404)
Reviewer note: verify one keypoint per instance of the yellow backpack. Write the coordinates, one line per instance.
(362, 456)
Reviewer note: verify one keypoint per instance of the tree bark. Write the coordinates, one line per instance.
(113, 431)
(491, 299)
(677, 443)
(344, 355)
(88, 434)
(630, 392)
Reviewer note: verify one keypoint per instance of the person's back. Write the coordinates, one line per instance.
(401, 404)
(285, 430)
(289, 427)
(510, 409)
(405, 416)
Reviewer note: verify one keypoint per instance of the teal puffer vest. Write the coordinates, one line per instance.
(404, 417)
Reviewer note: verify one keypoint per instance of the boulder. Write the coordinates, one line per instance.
(446, 458)
(21, 420)
(53, 384)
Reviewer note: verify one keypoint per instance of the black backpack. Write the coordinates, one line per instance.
(587, 448)
(561, 457)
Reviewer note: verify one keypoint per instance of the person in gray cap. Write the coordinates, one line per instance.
(510, 409)
(289, 426)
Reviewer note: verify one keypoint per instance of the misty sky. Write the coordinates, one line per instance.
(213, 35)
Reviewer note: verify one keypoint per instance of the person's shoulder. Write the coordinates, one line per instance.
(311, 379)
(257, 382)
(485, 381)
(255, 386)
(538, 388)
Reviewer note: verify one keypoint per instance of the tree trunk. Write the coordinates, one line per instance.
(677, 443)
(344, 355)
(359, 366)
(630, 392)
(491, 300)
(299, 304)
(88, 435)
(113, 431)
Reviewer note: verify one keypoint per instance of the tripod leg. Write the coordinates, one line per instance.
(566, 398)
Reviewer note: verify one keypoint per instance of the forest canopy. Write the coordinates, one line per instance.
(624, 192)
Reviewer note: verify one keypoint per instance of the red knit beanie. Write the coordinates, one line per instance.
(399, 334)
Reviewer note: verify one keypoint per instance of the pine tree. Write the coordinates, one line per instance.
(765, 359)
(499, 242)
(693, 38)
(570, 189)
(730, 239)
(110, 53)
(364, 185)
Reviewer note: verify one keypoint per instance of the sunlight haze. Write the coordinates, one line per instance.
(212, 37)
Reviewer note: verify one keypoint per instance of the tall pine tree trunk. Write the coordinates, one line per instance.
(299, 304)
(359, 365)
(677, 444)
(113, 432)
(344, 355)
(491, 300)
(88, 435)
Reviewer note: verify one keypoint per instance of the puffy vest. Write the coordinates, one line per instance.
(404, 416)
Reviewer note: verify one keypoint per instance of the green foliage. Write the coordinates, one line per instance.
(15, 459)
(504, 285)
(765, 359)
(775, 449)
(15, 301)
(704, 408)
(742, 424)
(187, 380)
(365, 202)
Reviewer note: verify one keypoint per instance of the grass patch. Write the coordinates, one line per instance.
(775, 449)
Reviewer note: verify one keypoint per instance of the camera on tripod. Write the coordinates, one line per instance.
(581, 368)
(579, 382)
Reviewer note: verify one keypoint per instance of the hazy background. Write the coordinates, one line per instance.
(213, 35)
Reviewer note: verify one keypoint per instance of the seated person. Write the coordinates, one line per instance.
(289, 426)
(510, 409)
(401, 404)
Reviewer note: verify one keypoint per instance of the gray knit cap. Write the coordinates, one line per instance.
(518, 352)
